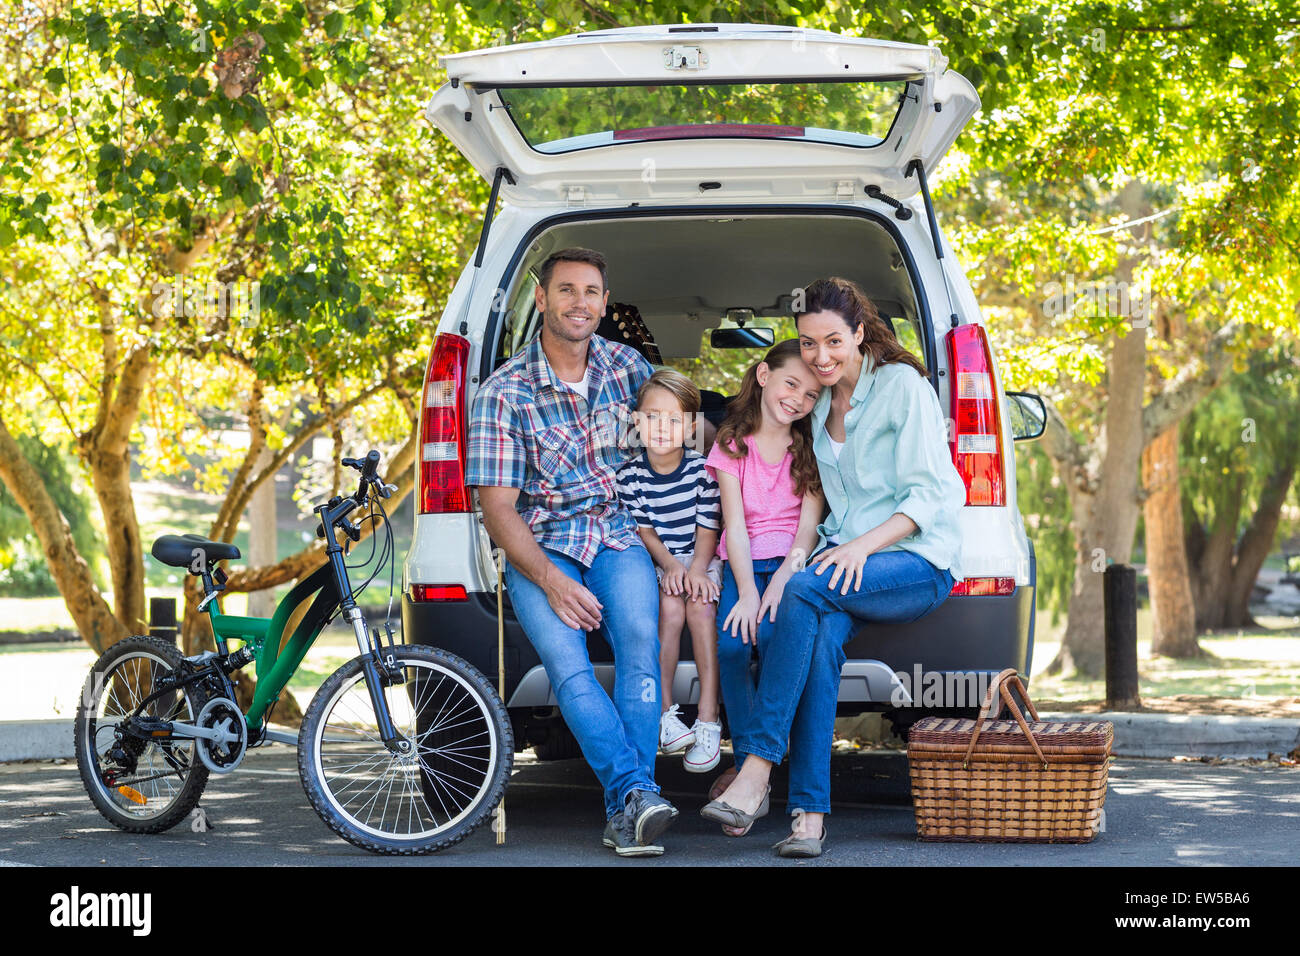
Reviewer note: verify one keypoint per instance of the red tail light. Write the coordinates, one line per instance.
(443, 427)
(438, 592)
(977, 426)
(984, 586)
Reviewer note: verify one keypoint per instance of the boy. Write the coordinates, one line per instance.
(678, 515)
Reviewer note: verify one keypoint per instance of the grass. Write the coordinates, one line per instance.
(1246, 663)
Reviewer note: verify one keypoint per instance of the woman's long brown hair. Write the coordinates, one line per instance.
(744, 416)
(846, 298)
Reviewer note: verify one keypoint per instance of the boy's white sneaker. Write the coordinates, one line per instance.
(674, 736)
(707, 749)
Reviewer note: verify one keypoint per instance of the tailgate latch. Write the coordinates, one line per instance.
(685, 58)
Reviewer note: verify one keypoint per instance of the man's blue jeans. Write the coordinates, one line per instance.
(800, 681)
(734, 677)
(619, 737)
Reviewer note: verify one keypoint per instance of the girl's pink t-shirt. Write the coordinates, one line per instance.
(767, 491)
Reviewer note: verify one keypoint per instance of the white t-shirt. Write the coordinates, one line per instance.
(579, 387)
(836, 448)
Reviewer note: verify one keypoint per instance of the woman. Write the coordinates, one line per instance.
(894, 495)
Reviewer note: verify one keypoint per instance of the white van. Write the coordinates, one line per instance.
(719, 168)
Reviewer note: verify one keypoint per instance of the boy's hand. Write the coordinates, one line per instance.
(700, 587)
(674, 580)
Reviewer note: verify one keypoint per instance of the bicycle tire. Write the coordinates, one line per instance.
(478, 760)
(123, 667)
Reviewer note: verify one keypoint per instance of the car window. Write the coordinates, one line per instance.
(520, 321)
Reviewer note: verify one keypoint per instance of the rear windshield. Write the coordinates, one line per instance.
(563, 119)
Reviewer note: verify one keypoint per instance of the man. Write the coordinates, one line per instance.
(543, 449)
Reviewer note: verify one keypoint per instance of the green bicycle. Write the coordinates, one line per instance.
(404, 749)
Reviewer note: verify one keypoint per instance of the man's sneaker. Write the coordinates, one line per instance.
(707, 750)
(620, 834)
(674, 736)
(649, 815)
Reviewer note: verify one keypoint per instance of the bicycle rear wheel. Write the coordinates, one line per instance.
(140, 785)
(449, 784)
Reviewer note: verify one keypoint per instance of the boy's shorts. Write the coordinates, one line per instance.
(713, 572)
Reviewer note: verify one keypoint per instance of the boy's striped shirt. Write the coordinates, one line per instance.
(671, 504)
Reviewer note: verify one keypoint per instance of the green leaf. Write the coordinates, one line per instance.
(333, 24)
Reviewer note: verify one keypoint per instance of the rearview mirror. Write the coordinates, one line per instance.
(1028, 415)
(756, 338)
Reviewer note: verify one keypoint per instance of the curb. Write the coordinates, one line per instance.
(35, 740)
(1157, 736)
(1195, 735)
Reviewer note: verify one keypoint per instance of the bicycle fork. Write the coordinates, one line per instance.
(378, 676)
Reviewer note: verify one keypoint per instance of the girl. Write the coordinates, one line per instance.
(894, 496)
(771, 503)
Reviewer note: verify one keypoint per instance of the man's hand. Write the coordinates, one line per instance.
(572, 603)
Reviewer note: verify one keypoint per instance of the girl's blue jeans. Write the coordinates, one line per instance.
(735, 658)
(800, 679)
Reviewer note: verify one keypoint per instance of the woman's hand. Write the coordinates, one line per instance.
(700, 587)
(742, 621)
(847, 559)
(674, 581)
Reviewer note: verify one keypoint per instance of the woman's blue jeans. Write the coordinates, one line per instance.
(734, 656)
(800, 681)
(619, 736)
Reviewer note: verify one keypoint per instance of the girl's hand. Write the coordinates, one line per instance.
(700, 587)
(847, 559)
(772, 597)
(742, 622)
(674, 581)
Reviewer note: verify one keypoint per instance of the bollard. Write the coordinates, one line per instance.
(1119, 584)
(162, 618)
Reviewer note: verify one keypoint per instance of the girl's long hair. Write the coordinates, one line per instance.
(846, 298)
(744, 415)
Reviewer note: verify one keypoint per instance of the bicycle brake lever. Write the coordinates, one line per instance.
(386, 491)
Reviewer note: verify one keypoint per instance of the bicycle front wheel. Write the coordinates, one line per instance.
(428, 799)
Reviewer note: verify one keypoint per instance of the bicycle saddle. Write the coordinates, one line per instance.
(177, 550)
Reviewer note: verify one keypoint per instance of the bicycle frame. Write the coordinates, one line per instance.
(263, 635)
(274, 665)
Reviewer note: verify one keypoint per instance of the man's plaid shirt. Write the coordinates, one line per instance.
(529, 431)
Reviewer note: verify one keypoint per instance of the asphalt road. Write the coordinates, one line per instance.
(1157, 813)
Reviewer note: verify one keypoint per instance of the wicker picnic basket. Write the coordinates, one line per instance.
(1008, 781)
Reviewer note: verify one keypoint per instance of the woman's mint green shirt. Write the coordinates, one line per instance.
(895, 459)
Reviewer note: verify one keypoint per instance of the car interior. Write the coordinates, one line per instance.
(675, 279)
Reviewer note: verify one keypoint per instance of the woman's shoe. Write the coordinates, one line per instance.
(800, 847)
(721, 812)
(722, 782)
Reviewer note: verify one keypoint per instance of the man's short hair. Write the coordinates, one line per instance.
(677, 385)
(572, 254)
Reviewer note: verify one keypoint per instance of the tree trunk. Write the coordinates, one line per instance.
(1257, 540)
(1212, 570)
(1107, 519)
(90, 612)
(1172, 608)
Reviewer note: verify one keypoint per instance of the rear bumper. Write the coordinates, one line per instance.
(964, 635)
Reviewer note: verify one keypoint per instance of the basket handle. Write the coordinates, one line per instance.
(999, 687)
